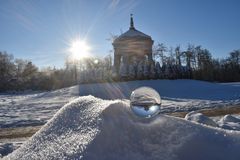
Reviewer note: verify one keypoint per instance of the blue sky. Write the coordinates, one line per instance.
(42, 30)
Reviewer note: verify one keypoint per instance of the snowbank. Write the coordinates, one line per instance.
(230, 122)
(95, 129)
(229, 118)
(200, 118)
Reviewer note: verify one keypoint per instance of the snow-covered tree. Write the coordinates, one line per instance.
(131, 72)
(97, 75)
(105, 74)
(101, 74)
(123, 72)
(114, 73)
(158, 70)
(146, 69)
(159, 52)
(83, 76)
(164, 71)
(140, 70)
(178, 56)
(152, 74)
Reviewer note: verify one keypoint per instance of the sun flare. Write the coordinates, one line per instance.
(79, 49)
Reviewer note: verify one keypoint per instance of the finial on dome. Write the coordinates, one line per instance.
(131, 22)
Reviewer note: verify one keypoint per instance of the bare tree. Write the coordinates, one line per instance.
(235, 56)
(159, 51)
(178, 56)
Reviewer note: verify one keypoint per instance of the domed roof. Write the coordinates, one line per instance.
(132, 32)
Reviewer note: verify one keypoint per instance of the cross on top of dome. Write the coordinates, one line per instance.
(131, 22)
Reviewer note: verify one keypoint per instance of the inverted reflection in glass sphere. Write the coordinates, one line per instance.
(145, 102)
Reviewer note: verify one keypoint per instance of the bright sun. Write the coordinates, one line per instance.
(79, 50)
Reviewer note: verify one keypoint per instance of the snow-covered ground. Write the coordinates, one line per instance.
(32, 109)
(96, 129)
(178, 95)
(21, 110)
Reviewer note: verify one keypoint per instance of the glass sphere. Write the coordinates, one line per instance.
(145, 102)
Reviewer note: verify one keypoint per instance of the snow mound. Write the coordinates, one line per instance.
(229, 118)
(93, 129)
(230, 122)
(200, 118)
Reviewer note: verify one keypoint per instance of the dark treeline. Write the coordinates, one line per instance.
(194, 62)
(19, 75)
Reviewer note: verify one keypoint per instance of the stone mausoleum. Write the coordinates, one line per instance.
(132, 47)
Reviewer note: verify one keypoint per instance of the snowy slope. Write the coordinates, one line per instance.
(95, 129)
(21, 110)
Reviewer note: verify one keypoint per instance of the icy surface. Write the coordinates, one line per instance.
(95, 129)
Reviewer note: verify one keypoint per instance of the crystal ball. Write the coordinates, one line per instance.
(145, 102)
